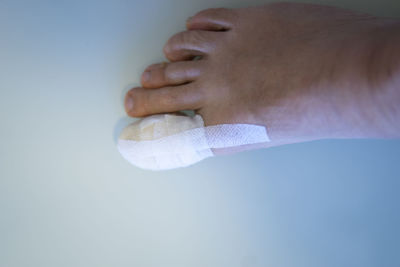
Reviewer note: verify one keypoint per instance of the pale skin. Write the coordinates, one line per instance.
(305, 72)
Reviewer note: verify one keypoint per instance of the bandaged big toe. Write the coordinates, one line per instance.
(166, 141)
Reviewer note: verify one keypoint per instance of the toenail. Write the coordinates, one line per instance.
(146, 76)
(129, 103)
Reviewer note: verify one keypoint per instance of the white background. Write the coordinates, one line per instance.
(67, 198)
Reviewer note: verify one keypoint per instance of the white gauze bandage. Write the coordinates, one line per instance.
(165, 141)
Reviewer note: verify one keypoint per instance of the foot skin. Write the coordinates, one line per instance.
(298, 69)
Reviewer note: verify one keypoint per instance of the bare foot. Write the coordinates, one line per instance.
(298, 69)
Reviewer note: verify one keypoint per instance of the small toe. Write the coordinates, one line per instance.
(175, 73)
(189, 44)
(213, 19)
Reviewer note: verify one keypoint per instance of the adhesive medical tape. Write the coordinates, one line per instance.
(167, 141)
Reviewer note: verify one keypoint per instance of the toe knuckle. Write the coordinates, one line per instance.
(169, 45)
(173, 44)
(179, 38)
(169, 73)
(196, 37)
(172, 41)
(169, 98)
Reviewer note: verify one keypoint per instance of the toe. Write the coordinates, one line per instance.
(175, 73)
(213, 19)
(141, 102)
(189, 44)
